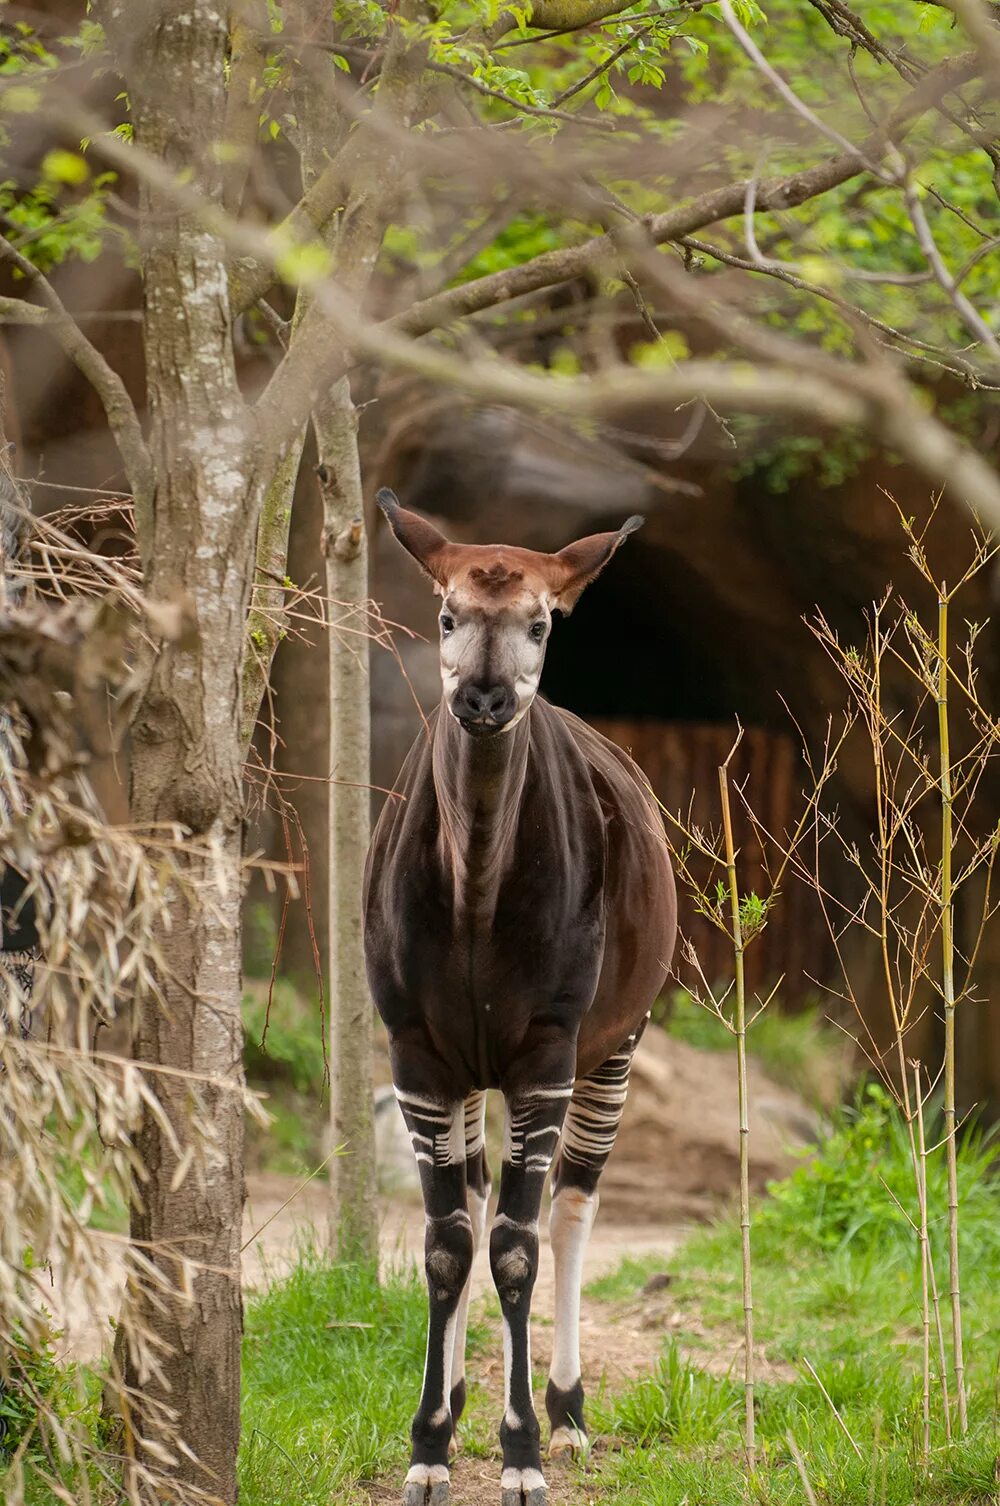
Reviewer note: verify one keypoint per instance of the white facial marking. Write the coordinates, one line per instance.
(501, 644)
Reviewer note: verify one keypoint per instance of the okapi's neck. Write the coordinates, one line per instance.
(478, 782)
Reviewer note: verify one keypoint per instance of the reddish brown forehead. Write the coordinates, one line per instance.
(500, 574)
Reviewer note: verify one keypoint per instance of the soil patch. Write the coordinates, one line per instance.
(677, 1154)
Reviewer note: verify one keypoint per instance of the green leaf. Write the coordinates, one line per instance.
(304, 265)
(21, 99)
(64, 167)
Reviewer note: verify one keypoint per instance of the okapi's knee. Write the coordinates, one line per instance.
(513, 1261)
(448, 1254)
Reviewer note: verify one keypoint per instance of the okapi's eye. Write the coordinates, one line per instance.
(447, 624)
(536, 632)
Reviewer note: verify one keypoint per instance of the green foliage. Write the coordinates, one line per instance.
(64, 213)
(822, 460)
(855, 1191)
(285, 1041)
(84, 1179)
(284, 1058)
(38, 1390)
(842, 1292)
(525, 236)
(52, 222)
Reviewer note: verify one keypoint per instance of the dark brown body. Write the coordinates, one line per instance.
(564, 927)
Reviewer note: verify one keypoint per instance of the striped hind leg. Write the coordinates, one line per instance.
(477, 1183)
(588, 1136)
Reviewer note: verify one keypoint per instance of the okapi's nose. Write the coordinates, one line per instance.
(493, 705)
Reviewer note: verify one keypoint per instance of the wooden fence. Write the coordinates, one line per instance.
(681, 761)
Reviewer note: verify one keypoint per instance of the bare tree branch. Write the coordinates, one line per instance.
(970, 317)
(122, 418)
(951, 361)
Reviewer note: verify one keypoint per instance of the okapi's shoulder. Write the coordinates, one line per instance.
(611, 764)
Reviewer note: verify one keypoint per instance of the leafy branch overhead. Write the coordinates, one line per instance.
(596, 131)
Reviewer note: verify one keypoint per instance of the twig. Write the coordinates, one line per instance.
(801, 1469)
(601, 68)
(948, 989)
(290, 1198)
(964, 308)
(925, 1312)
(122, 418)
(545, 112)
(829, 1400)
(788, 94)
(741, 1069)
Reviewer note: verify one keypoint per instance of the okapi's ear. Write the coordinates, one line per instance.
(429, 548)
(581, 561)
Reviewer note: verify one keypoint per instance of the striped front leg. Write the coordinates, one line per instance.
(588, 1136)
(534, 1119)
(477, 1188)
(437, 1131)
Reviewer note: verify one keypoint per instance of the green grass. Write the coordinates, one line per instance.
(626, 1280)
(327, 1405)
(333, 1360)
(803, 1051)
(50, 1422)
(836, 1283)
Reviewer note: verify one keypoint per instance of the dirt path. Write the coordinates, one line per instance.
(619, 1349)
(276, 1229)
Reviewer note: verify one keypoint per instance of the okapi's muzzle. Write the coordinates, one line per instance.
(483, 709)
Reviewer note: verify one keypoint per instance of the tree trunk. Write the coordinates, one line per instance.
(353, 1212)
(299, 683)
(376, 174)
(186, 770)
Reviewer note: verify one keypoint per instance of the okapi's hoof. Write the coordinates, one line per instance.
(426, 1485)
(523, 1487)
(568, 1440)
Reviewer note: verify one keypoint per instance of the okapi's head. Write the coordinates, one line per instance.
(496, 611)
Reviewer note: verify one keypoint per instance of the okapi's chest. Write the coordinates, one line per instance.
(486, 950)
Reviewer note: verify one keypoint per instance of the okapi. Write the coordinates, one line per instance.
(520, 916)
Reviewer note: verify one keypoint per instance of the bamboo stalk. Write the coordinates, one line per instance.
(800, 1465)
(925, 1310)
(741, 1068)
(942, 1357)
(833, 1408)
(948, 990)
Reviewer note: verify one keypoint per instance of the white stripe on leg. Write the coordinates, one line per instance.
(570, 1222)
(477, 1212)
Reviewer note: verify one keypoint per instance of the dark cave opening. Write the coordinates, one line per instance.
(633, 650)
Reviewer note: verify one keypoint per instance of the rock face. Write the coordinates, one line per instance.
(677, 1153)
